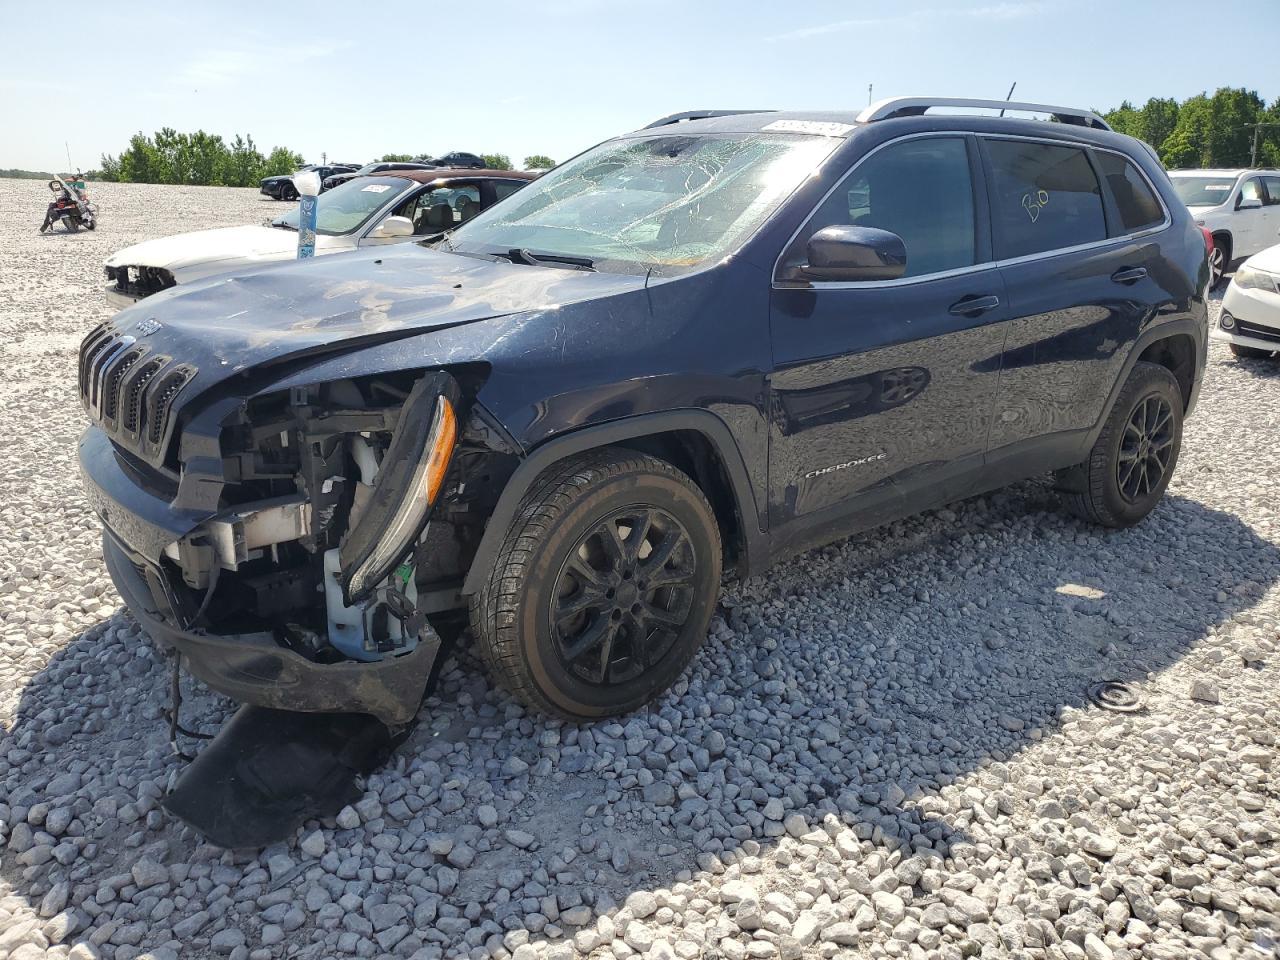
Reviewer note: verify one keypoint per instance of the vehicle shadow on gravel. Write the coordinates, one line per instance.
(837, 701)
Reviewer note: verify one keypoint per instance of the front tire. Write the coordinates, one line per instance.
(1133, 458)
(603, 587)
(1250, 353)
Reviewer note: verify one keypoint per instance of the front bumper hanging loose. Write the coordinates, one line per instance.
(252, 668)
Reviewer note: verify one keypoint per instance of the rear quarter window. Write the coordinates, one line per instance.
(1135, 202)
(1043, 197)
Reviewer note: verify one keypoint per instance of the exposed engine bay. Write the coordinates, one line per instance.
(325, 540)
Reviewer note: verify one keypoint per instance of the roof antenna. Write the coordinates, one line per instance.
(1009, 96)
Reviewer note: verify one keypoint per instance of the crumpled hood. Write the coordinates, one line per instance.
(246, 244)
(229, 324)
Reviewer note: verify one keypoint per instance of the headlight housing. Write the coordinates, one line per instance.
(410, 479)
(1250, 278)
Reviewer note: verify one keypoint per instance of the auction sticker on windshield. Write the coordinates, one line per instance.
(376, 188)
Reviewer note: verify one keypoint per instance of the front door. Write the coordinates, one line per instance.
(882, 392)
(1249, 222)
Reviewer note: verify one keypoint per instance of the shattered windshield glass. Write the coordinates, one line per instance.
(668, 201)
(348, 206)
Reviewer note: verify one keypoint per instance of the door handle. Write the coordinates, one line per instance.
(1129, 274)
(973, 306)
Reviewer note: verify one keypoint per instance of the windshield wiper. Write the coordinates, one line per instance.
(284, 226)
(529, 258)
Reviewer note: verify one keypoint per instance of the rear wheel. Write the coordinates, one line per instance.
(1250, 353)
(603, 587)
(1133, 458)
(288, 193)
(1219, 258)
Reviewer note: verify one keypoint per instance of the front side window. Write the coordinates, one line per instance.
(1251, 191)
(919, 189)
(349, 206)
(1043, 197)
(442, 208)
(1135, 201)
(667, 202)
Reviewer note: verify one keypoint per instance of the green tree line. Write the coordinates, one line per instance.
(196, 158)
(1205, 130)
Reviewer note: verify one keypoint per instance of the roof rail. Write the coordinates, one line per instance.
(698, 115)
(916, 106)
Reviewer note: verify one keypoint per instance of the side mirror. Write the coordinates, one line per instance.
(392, 227)
(1243, 204)
(843, 252)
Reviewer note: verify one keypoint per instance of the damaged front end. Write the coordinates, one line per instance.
(294, 551)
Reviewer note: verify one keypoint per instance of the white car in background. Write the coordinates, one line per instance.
(390, 207)
(1241, 208)
(1250, 317)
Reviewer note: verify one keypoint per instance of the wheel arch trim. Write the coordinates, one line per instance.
(717, 432)
(1185, 326)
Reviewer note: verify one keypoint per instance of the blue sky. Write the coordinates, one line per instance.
(356, 80)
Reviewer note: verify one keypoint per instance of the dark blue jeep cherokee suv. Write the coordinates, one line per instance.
(710, 343)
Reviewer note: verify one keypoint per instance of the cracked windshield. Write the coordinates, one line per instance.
(666, 203)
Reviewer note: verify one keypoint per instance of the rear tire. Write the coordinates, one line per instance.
(1133, 459)
(603, 587)
(288, 193)
(1250, 353)
(1219, 260)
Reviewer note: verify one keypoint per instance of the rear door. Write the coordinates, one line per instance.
(1076, 237)
(882, 391)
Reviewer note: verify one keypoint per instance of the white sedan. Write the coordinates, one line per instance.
(395, 206)
(1250, 318)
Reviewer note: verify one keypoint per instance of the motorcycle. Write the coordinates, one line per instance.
(70, 205)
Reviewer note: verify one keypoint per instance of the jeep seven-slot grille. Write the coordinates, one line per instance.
(128, 390)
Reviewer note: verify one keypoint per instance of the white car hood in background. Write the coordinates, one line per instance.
(190, 255)
(1268, 260)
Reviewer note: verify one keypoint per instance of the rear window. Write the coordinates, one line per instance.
(1043, 197)
(1136, 203)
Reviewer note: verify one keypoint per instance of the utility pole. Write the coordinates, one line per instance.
(1257, 129)
(869, 86)
(324, 157)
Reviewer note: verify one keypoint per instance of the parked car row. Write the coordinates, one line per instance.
(366, 211)
(281, 187)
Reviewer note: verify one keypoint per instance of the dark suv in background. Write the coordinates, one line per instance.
(282, 187)
(707, 344)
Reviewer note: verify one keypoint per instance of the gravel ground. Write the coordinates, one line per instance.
(884, 749)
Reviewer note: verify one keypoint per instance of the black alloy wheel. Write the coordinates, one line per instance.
(1146, 449)
(623, 595)
(1134, 456)
(603, 587)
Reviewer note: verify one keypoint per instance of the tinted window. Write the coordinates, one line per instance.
(1273, 190)
(1137, 205)
(919, 189)
(505, 188)
(1042, 198)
